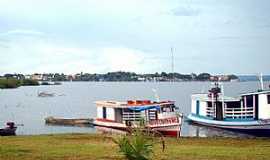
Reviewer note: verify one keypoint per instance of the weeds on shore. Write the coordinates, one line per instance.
(139, 142)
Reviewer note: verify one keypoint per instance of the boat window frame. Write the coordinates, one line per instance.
(249, 101)
(268, 98)
(104, 112)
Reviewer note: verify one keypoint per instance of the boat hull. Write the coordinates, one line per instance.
(8, 131)
(255, 127)
(170, 130)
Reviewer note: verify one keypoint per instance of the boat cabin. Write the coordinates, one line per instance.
(131, 111)
(214, 105)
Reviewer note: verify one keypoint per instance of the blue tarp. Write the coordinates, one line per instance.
(142, 108)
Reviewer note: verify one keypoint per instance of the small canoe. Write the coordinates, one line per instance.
(68, 121)
(45, 94)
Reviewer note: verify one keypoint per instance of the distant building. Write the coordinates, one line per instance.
(15, 76)
(70, 77)
(220, 78)
(37, 77)
(141, 79)
(28, 76)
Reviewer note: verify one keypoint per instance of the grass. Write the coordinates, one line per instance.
(94, 146)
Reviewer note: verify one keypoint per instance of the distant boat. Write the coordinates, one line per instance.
(45, 83)
(50, 83)
(68, 121)
(9, 130)
(45, 94)
(156, 116)
(248, 113)
(57, 83)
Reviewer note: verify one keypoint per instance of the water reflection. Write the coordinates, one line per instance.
(196, 130)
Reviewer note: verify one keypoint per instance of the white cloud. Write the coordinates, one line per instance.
(38, 54)
(85, 35)
(124, 59)
(22, 32)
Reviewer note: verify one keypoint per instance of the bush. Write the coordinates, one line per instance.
(29, 82)
(138, 146)
(15, 83)
(139, 142)
(9, 83)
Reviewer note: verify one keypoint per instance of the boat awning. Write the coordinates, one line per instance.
(142, 108)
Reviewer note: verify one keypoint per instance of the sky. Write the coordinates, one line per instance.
(100, 36)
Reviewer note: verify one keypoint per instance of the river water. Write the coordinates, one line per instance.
(76, 100)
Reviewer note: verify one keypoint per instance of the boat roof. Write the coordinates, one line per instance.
(205, 97)
(256, 92)
(119, 104)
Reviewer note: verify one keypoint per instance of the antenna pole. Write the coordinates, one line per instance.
(223, 103)
(261, 80)
(172, 49)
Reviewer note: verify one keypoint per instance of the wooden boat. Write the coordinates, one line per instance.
(248, 113)
(45, 94)
(159, 116)
(10, 130)
(68, 121)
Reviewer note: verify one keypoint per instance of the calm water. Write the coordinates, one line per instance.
(75, 99)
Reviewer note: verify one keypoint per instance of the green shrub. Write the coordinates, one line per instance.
(137, 146)
(14, 83)
(139, 142)
(9, 83)
(29, 82)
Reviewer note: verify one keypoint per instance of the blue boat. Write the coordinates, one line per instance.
(248, 113)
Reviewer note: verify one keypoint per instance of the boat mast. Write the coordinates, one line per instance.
(172, 49)
(222, 94)
(156, 95)
(261, 81)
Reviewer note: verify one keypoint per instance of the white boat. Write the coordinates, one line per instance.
(158, 116)
(249, 113)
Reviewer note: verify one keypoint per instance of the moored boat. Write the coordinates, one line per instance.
(158, 116)
(9, 130)
(45, 94)
(248, 113)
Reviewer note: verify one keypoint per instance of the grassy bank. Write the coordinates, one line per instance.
(93, 146)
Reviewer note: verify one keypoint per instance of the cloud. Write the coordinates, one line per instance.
(102, 36)
(98, 60)
(185, 11)
(22, 32)
(124, 59)
(225, 38)
(40, 55)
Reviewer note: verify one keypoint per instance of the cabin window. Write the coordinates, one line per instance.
(166, 109)
(233, 104)
(249, 101)
(268, 99)
(172, 107)
(104, 111)
(197, 107)
(209, 104)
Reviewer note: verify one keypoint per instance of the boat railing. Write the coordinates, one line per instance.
(210, 112)
(239, 112)
(133, 116)
(165, 115)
